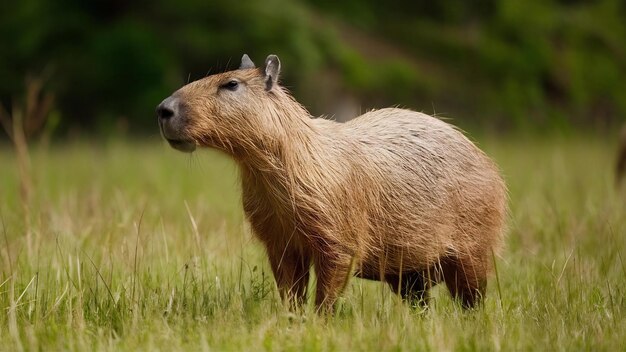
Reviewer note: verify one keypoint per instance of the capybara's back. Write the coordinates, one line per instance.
(393, 195)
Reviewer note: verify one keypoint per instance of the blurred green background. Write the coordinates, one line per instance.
(496, 65)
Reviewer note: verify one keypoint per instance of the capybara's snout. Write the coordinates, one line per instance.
(172, 124)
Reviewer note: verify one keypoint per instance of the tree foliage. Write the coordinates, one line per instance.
(512, 63)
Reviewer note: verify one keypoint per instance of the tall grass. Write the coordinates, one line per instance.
(139, 247)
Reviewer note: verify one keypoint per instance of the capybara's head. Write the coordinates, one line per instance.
(222, 109)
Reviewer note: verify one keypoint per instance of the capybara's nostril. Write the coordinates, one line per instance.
(164, 113)
(167, 109)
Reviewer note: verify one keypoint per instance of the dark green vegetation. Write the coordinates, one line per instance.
(504, 64)
(138, 247)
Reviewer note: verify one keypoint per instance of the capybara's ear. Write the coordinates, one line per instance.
(246, 62)
(272, 70)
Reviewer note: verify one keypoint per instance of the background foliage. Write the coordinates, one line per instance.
(504, 64)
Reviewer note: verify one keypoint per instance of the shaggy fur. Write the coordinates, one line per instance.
(392, 195)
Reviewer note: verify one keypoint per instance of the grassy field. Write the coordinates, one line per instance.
(139, 247)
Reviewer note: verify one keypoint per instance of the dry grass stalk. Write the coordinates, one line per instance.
(24, 122)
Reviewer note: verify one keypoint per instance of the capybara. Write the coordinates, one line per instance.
(392, 195)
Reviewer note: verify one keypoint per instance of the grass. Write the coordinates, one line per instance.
(138, 247)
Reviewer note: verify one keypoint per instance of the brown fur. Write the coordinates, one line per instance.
(392, 195)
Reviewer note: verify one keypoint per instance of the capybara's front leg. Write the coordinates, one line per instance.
(291, 272)
(332, 275)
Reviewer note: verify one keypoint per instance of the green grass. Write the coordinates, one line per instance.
(139, 247)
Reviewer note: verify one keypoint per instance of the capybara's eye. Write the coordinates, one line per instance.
(230, 85)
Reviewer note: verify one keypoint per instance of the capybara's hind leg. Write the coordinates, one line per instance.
(466, 279)
(411, 286)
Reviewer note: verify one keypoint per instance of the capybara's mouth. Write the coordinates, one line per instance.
(186, 146)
